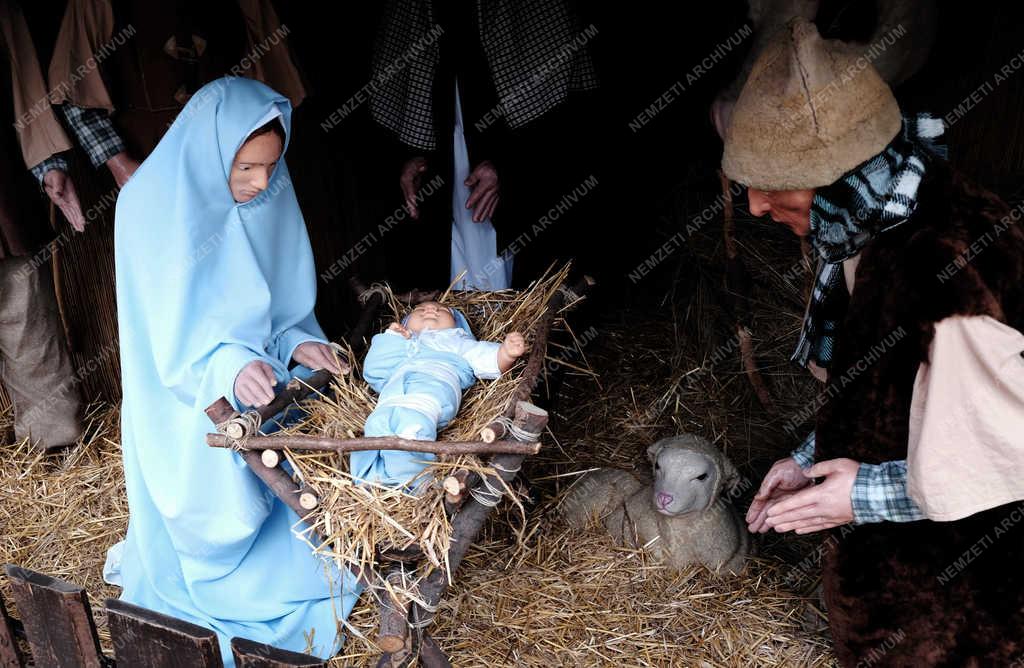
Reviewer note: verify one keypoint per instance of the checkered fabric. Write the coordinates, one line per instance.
(535, 52)
(875, 197)
(879, 491)
(55, 161)
(94, 131)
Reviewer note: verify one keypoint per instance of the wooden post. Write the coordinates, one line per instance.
(57, 620)
(146, 638)
(393, 631)
(10, 654)
(467, 523)
(252, 654)
(276, 479)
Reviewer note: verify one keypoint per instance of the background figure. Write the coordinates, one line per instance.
(37, 371)
(493, 74)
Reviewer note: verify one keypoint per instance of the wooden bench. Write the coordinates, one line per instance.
(57, 624)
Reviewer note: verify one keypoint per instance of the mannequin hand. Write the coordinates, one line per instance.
(412, 172)
(484, 198)
(511, 349)
(514, 344)
(61, 192)
(783, 480)
(315, 355)
(399, 328)
(255, 383)
(121, 167)
(819, 507)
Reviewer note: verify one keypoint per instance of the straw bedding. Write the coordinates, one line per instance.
(549, 596)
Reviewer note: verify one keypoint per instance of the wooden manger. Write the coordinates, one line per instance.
(408, 581)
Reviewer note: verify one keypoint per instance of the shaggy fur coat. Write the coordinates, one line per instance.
(922, 593)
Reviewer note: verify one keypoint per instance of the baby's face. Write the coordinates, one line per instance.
(430, 315)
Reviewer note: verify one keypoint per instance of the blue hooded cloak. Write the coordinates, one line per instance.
(206, 285)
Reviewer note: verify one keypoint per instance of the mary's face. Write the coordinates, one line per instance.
(254, 163)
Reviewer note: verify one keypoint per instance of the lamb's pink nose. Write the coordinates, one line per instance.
(664, 499)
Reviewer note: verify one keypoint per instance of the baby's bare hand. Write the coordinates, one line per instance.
(514, 344)
(399, 328)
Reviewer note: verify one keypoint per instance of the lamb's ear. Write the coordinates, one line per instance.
(655, 449)
(731, 478)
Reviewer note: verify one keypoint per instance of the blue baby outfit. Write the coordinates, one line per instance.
(206, 285)
(420, 381)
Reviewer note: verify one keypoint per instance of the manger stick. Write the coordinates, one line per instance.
(276, 479)
(531, 374)
(323, 444)
(467, 523)
(393, 632)
(738, 293)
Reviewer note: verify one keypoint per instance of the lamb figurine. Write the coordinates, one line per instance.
(681, 518)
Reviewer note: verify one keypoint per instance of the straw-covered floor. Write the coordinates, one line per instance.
(550, 596)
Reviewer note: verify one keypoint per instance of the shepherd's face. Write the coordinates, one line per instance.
(791, 208)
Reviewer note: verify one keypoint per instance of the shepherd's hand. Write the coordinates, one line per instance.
(819, 507)
(315, 355)
(483, 180)
(784, 479)
(61, 191)
(254, 385)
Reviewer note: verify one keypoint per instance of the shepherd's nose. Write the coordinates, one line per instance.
(664, 499)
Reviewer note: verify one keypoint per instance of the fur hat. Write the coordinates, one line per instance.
(811, 110)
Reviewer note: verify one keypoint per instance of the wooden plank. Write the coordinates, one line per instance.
(252, 654)
(57, 620)
(146, 638)
(10, 655)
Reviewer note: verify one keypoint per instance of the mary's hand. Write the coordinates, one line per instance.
(254, 385)
(315, 355)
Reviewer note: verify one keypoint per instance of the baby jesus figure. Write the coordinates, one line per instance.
(420, 368)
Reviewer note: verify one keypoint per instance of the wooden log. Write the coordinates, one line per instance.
(307, 499)
(393, 632)
(531, 374)
(470, 518)
(10, 653)
(324, 444)
(143, 637)
(57, 620)
(271, 458)
(277, 479)
(455, 486)
(431, 654)
(252, 654)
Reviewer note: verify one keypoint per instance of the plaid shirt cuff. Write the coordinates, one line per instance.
(804, 455)
(880, 494)
(96, 134)
(55, 161)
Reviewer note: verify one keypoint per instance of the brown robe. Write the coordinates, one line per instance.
(921, 593)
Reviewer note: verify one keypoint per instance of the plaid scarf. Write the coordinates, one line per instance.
(535, 51)
(875, 197)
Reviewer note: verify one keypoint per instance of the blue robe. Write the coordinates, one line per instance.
(205, 285)
(420, 381)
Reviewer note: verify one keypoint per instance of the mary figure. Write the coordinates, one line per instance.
(215, 289)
